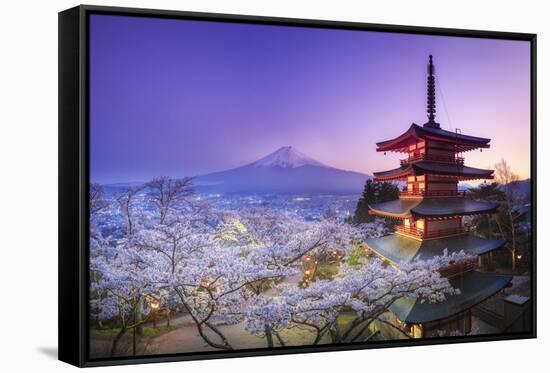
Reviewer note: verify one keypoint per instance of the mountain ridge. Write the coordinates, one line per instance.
(287, 157)
(284, 171)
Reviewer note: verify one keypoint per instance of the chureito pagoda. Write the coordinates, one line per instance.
(431, 209)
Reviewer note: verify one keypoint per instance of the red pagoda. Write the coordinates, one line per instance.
(431, 209)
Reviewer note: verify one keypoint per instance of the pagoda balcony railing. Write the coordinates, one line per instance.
(433, 233)
(446, 232)
(432, 193)
(410, 231)
(432, 157)
(457, 268)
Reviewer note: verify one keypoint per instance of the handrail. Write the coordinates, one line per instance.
(433, 157)
(457, 268)
(421, 233)
(418, 232)
(445, 193)
(446, 232)
(433, 193)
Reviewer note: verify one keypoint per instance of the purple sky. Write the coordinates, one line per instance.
(182, 98)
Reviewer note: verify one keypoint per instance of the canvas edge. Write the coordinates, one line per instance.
(70, 249)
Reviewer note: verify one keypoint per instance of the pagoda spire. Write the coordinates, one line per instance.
(431, 96)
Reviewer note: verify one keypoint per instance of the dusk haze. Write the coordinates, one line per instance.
(190, 98)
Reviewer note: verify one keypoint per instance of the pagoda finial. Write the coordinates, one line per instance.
(431, 96)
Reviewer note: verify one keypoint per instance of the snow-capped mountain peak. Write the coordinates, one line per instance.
(287, 157)
(285, 171)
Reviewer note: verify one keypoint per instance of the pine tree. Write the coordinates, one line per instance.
(508, 223)
(387, 192)
(362, 209)
(374, 192)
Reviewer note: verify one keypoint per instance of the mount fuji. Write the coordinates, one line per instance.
(285, 171)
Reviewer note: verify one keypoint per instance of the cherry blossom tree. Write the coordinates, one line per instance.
(97, 200)
(121, 280)
(244, 267)
(170, 195)
(368, 289)
(126, 201)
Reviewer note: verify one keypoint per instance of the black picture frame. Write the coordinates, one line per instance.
(74, 180)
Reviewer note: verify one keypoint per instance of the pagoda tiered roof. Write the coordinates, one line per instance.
(398, 248)
(404, 208)
(434, 168)
(416, 133)
(474, 287)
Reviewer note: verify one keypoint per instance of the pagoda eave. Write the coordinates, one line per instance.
(383, 214)
(397, 248)
(431, 208)
(442, 169)
(460, 206)
(460, 148)
(415, 133)
(401, 143)
(474, 286)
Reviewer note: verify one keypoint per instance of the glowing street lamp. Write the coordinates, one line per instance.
(309, 265)
(155, 305)
(336, 255)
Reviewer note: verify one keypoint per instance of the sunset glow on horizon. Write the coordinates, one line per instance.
(185, 98)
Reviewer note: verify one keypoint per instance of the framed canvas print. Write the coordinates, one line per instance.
(237, 186)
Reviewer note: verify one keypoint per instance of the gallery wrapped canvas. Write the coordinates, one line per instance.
(237, 186)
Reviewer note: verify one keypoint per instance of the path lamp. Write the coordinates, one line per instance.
(519, 256)
(336, 256)
(309, 266)
(154, 304)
